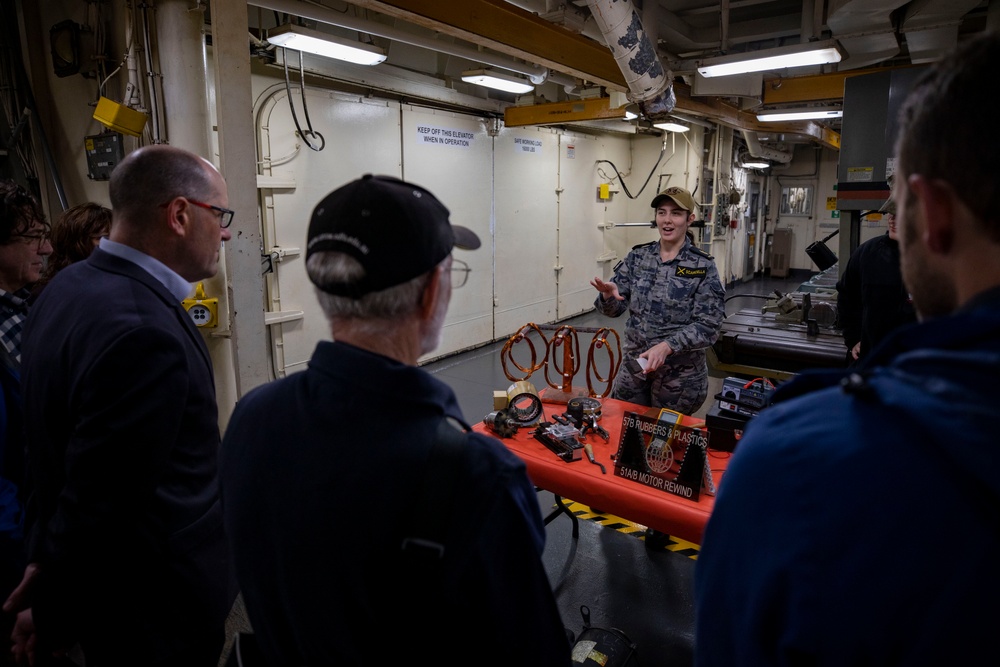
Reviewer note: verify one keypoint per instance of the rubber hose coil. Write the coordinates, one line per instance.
(523, 404)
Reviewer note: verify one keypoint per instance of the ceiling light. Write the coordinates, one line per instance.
(796, 55)
(799, 114)
(322, 44)
(671, 126)
(498, 80)
(755, 165)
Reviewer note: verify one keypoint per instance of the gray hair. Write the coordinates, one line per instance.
(396, 302)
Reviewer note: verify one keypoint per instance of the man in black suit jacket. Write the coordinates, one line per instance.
(126, 546)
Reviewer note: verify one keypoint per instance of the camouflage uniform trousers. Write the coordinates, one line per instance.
(680, 384)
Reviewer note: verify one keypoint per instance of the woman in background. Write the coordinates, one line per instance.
(75, 235)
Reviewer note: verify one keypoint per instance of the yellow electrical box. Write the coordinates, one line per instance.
(605, 191)
(204, 311)
(119, 117)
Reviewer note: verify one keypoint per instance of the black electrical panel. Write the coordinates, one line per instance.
(104, 152)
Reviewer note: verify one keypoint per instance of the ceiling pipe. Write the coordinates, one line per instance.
(808, 18)
(536, 73)
(649, 83)
(724, 26)
(756, 150)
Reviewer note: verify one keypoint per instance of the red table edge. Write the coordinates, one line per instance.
(630, 500)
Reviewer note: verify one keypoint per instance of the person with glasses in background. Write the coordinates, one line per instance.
(126, 551)
(24, 245)
(443, 554)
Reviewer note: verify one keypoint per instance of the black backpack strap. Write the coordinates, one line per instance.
(424, 536)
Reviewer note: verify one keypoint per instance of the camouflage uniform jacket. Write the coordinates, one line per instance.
(681, 301)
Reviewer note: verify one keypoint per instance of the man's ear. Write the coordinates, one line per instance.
(178, 214)
(430, 294)
(936, 201)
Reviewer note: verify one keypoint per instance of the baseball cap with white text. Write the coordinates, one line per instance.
(394, 229)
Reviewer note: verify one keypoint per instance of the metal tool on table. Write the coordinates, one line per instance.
(584, 413)
(590, 456)
(561, 439)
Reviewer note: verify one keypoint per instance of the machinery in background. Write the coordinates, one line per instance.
(790, 333)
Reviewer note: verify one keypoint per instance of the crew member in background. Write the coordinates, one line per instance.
(871, 297)
(126, 551)
(454, 575)
(24, 244)
(857, 523)
(676, 305)
(75, 234)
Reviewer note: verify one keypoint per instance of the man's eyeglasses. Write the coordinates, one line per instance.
(459, 273)
(39, 237)
(225, 214)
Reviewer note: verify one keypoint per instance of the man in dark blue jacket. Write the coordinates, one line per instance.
(126, 550)
(858, 521)
(449, 570)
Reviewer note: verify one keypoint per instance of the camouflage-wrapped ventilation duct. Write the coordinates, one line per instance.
(649, 83)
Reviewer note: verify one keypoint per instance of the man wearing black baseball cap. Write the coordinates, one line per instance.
(443, 548)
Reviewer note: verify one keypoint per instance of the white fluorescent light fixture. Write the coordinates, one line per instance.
(671, 126)
(498, 81)
(801, 114)
(298, 38)
(796, 55)
(755, 165)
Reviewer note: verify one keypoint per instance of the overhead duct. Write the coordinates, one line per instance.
(649, 83)
(865, 30)
(756, 150)
(931, 28)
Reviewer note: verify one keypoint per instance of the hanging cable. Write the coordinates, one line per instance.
(663, 149)
(309, 132)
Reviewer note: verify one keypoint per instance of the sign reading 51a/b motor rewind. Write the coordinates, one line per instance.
(662, 453)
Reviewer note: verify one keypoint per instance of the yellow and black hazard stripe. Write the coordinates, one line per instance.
(675, 544)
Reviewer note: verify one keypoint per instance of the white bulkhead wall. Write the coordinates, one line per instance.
(530, 193)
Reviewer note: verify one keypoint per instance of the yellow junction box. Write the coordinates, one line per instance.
(119, 117)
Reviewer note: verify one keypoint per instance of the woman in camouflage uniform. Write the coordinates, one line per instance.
(675, 303)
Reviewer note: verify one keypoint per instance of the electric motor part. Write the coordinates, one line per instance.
(523, 404)
(600, 340)
(507, 353)
(501, 423)
(560, 439)
(581, 408)
(565, 336)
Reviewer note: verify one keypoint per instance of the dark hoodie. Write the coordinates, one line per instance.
(858, 520)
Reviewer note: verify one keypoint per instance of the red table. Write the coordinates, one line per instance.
(583, 482)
